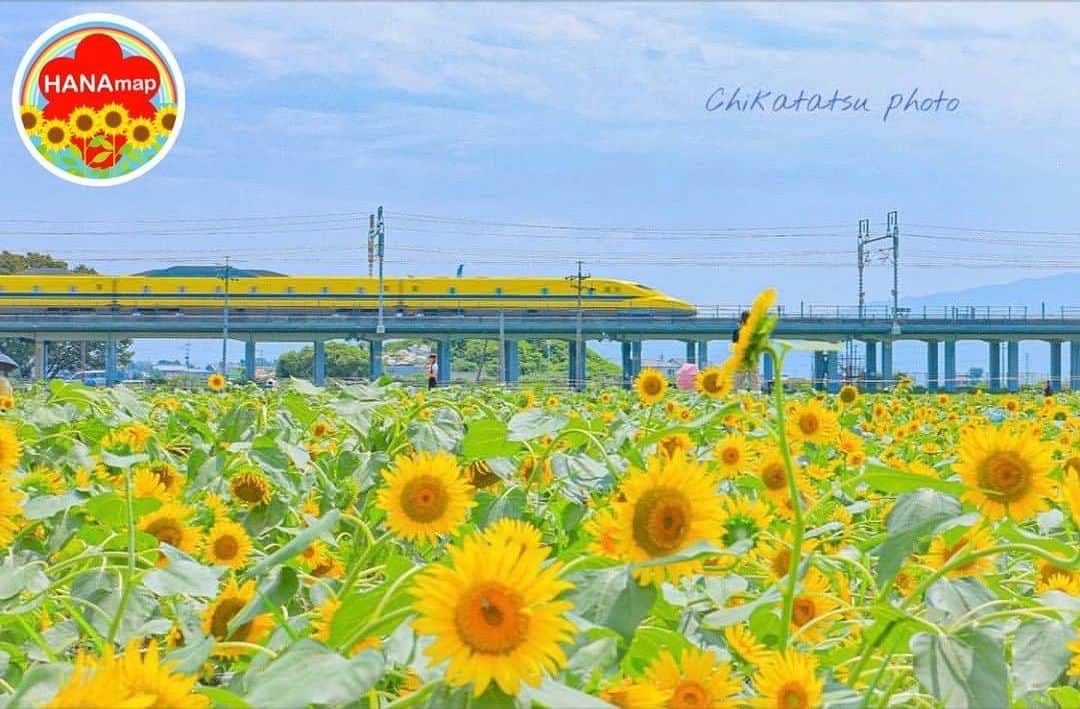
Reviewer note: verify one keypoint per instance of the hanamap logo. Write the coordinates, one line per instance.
(98, 99)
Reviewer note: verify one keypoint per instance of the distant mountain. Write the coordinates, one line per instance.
(1055, 291)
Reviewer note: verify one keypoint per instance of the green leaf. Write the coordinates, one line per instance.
(648, 642)
(486, 438)
(100, 158)
(612, 597)
(1039, 655)
(698, 550)
(443, 432)
(593, 658)
(297, 544)
(555, 695)
(810, 345)
(111, 509)
(886, 479)
(1010, 532)
(40, 684)
(724, 617)
(958, 597)
(1066, 697)
(123, 461)
(533, 423)
(357, 609)
(963, 671)
(274, 591)
(47, 505)
(14, 581)
(509, 504)
(190, 656)
(310, 673)
(223, 698)
(183, 575)
(914, 516)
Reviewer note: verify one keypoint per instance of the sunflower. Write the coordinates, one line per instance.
(529, 464)
(7, 403)
(137, 679)
(494, 615)
(675, 443)
(788, 681)
(526, 398)
(813, 423)
(1006, 472)
(849, 393)
(251, 488)
(165, 119)
(753, 334)
(943, 548)
(714, 382)
(1074, 664)
(775, 553)
(140, 133)
(513, 534)
(55, 135)
(425, 496)
(31, 119)
(731, 455)
(743, 645)
(114, 118)
(772, 473)
(742, 518)
(1070, 493)
(650, 386)
(83, 122)
(147, 485)
(668, 507)
(603, 528)
(215, 382)
(321, 429)
(218, 509)
(228, 544)
(229, 603)
(167, 523)
(166, 475)
(10, 512)
(696, 680)
(43, 480)
(323, 623)
(633, 694)
(812, 602)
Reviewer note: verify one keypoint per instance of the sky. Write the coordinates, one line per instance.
(482, 128)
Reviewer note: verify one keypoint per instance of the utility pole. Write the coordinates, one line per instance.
(371, 246)
(225, 325)
(380, 234)
(891, 252)
(579, 369)
(864, 234)
(893, 229)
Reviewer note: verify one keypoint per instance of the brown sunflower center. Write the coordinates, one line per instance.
(166, 530)
(250, 489)
(424, 498)
(113, 119)
(490, 619)
(84, 122)
(165, 475)
(219, 622)
(141, 134)
(711, 382)
(168, 121)
(730, 455)
(226, 547)
(792, 695)
(781, 563)
(847, 395)
(661, 521)
(809, 423)
(803, 611)
(689, 695)
(773, 476)
(29, 120)
(1004, 476)
(55, 135)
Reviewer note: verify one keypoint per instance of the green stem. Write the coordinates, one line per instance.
(796, 504)
(129, 579)
(416, 697)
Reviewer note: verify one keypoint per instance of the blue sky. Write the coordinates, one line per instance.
(579, 114)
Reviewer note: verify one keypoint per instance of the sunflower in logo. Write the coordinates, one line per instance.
(165, 119)
(31, 119)
(114, 119)
(84, 122)
(140, 133)
(55, 135)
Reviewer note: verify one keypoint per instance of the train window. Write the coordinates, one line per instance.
(181, 289)
(498, 291)
(36, 289)
(217, 289)
(325, 290)
(416, 289)
(543, 291)
(592, 291)
(359, 291)
(72, 289)
(451, 290)
(254, 289)
(145, 289)
(289, 290)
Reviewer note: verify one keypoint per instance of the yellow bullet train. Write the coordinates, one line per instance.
(191, 289)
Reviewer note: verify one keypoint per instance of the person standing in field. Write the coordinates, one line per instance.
(432, 371)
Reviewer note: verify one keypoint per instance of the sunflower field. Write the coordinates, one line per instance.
(375, 546)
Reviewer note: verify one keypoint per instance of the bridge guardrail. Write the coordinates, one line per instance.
(814, 311)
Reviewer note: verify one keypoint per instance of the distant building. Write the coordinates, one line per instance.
(667, 367)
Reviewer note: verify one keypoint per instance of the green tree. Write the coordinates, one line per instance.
(64, 356)
(343, 361)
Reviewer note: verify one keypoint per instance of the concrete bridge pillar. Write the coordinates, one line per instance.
(1013, 351)
(249, 360)
(1074, 365)
(41, 359)
(511, 360)
(375, 368)
(818, 372)
(572, 370)
(318, 376)
(886, 363)
(442, 351)
(1055, 365)
(627, 365)
(832, 365)
(933, 378)
(703, 354)
(995, 365)
(635, 359)
(950, 365)
(110, 361)
(691, 352)
(871, 367)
